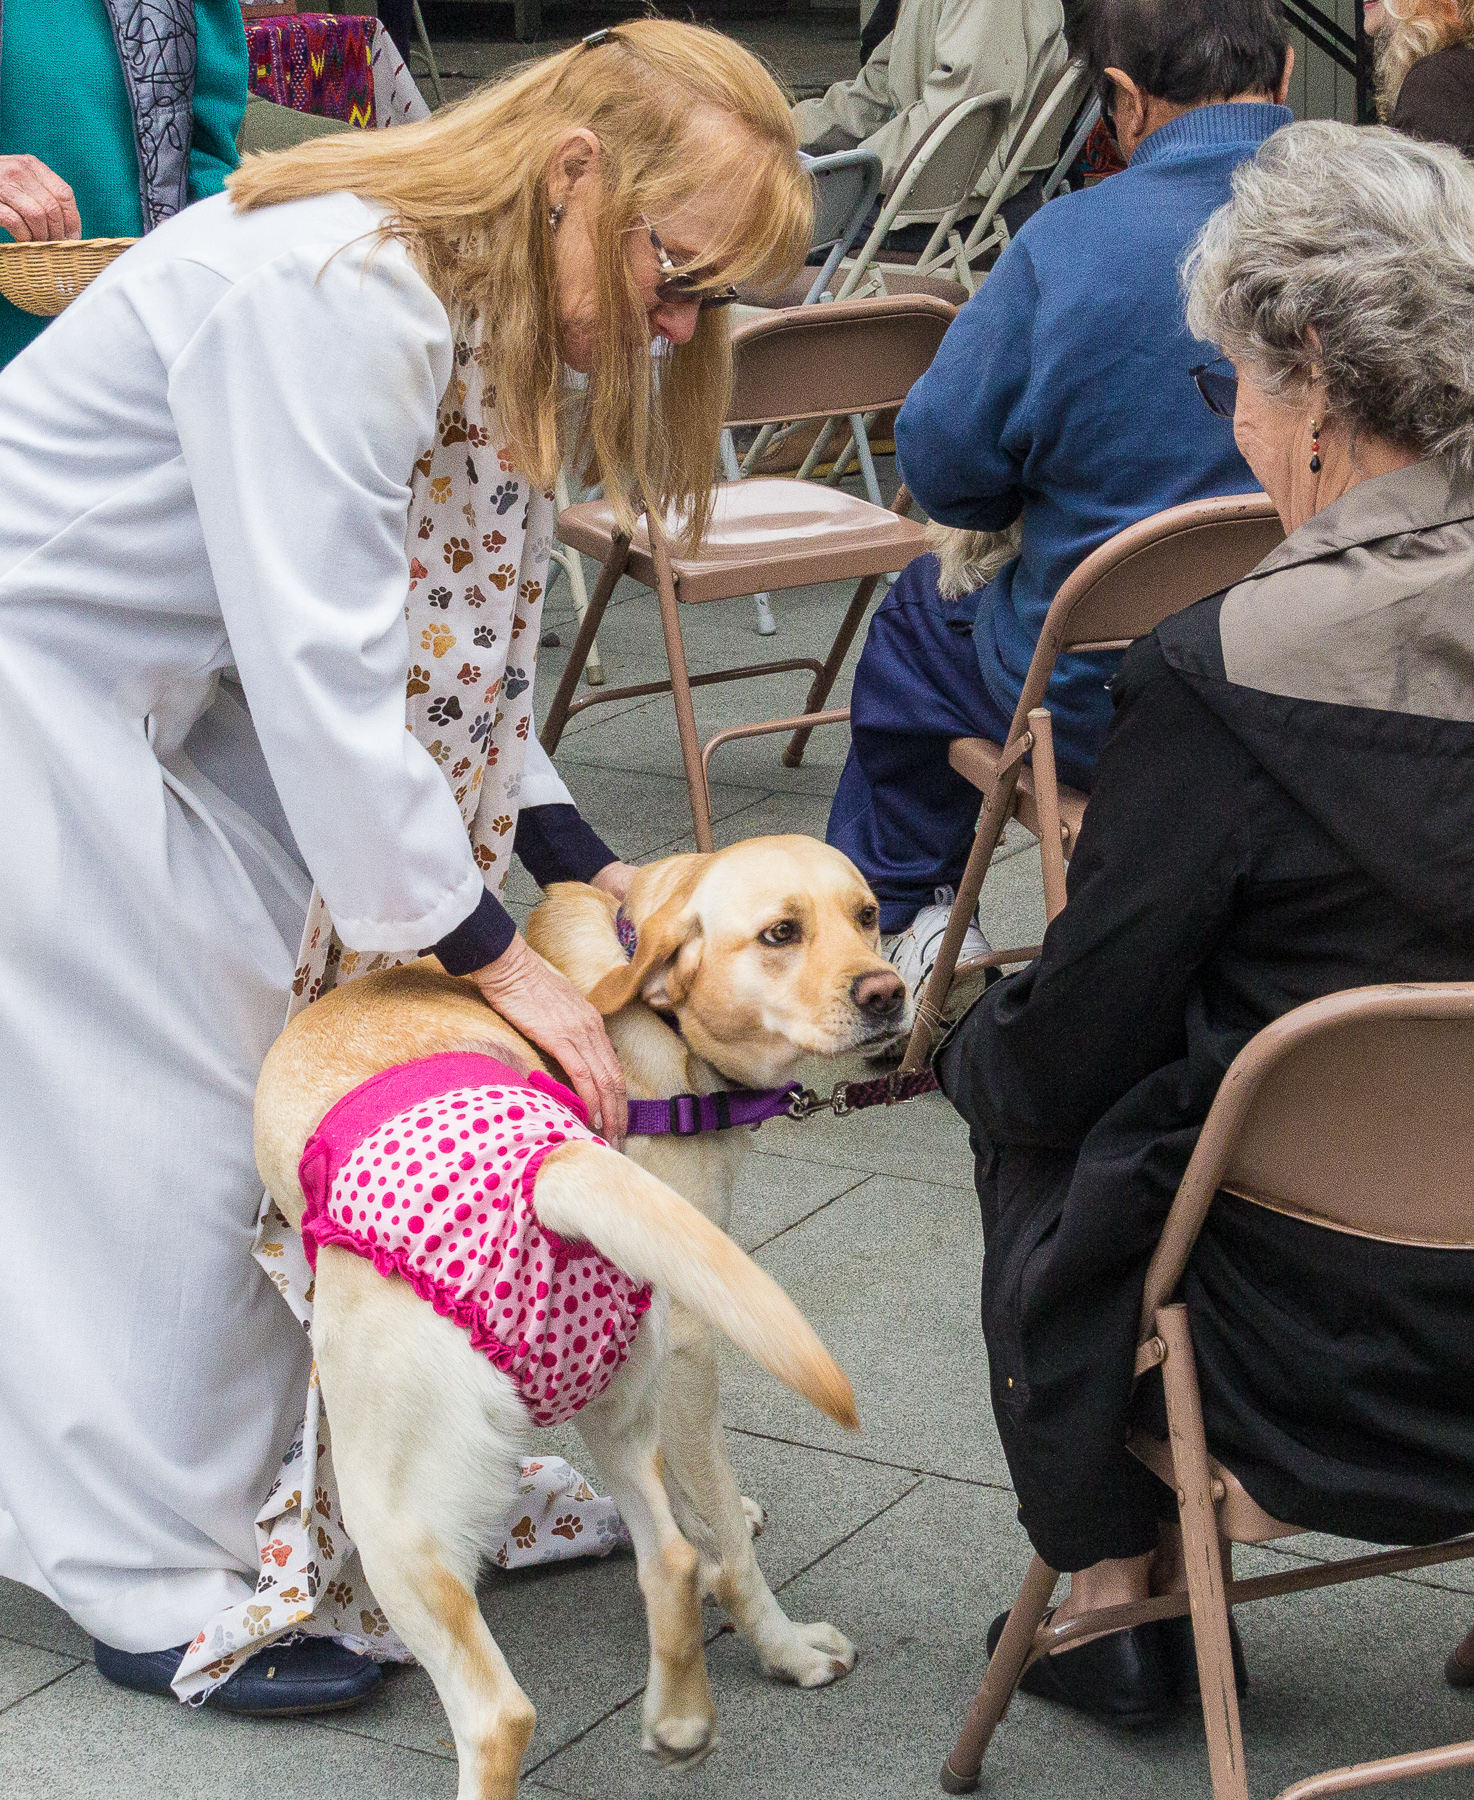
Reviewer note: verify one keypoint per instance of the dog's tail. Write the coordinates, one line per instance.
(587, 1192)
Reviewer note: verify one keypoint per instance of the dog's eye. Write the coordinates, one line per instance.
(786, 931)
(869, 917)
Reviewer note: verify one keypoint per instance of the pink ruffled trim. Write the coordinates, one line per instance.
(362, 1111)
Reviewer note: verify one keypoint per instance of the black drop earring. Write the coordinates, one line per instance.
(555, 215)
(1315, 446)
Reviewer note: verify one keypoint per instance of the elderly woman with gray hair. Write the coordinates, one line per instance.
(1283, 809)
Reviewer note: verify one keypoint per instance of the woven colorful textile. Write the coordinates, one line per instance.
(315, 63)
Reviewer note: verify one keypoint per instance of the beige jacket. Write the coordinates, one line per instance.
(940, 52)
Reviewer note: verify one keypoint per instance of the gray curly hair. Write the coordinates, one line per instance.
(1350, 251)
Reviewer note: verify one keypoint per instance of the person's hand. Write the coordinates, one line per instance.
(615, 878)
(35, 204)
(546, 1007)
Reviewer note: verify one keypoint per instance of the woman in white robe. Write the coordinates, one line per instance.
(211, 470)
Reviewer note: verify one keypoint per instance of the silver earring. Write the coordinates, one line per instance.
(555, 215)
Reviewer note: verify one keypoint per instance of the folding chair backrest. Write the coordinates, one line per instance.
(947, 161)
(844, 184)
(850, 356)
(1054, 106)
(1154, 568)
(1365, 1121)
(1354, 1112)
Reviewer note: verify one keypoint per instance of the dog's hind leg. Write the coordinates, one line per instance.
(425, 1437)
(679, 1719)
(697, 1468)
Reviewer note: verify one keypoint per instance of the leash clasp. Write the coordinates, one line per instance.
(805, 1103)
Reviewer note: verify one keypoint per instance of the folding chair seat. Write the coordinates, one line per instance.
(1121, 591)
(806, 362)
(976, 760)
(1354, 1115)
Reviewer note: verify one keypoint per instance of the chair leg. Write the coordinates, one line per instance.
(961, 1770)
(432, 67)
(1046, 798)
(1204, 1559)
(680, 689)
(614, 566)
(793, 753)
(571, 563)
(939, 982)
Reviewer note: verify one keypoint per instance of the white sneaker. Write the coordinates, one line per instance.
(913, 953)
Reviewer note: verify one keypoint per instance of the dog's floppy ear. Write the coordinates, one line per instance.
(663, 934)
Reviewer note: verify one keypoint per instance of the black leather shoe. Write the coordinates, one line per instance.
(1182, 1658)
(281, 1681)
(1123, 1678)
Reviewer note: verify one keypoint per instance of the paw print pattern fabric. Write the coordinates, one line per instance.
(556, 1516)
(428, 1171)
(489, 537)
(478, 536)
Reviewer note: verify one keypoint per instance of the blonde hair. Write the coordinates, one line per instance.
(679, 111)
(1422, 27)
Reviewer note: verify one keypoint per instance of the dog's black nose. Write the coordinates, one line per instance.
(880, 994)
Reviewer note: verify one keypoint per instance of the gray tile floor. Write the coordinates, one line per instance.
(904, 1537)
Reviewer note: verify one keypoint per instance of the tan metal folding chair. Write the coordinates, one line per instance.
(1053, 109)
(1121, 591)
(1353, 1114)
(804, 362)
(939, 176)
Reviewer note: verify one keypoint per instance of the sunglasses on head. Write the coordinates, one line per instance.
(1218, 385)
(678, 289)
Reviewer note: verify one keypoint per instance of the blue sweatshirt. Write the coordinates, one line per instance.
(1061, 390)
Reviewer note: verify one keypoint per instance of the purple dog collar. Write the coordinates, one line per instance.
(690, 1115)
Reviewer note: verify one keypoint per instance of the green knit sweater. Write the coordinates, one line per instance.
(62, 99)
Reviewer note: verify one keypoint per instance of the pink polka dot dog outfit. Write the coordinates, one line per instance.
(427, 1169)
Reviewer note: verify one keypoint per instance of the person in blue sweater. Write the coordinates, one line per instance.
(1060, 400)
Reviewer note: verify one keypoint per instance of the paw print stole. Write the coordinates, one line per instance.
(479, 539)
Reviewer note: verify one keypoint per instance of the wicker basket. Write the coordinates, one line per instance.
(45, 277)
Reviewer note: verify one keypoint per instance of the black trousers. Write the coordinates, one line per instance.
(1337, 1374)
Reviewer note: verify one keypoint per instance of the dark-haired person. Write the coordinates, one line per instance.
(1060, 397)
(1282, 810)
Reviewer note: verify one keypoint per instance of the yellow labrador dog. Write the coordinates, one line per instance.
(744, 962)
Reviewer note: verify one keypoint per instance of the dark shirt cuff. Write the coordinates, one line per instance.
(477, 940)
(555, 844)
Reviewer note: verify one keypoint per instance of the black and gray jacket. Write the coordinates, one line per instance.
(1284, 807)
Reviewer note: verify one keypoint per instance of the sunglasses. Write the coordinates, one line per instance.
(678, 289)
(1220, 391)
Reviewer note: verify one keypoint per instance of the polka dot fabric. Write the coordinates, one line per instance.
(437, 1186)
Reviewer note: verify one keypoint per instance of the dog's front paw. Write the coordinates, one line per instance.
(811, 1656)
(757, 1516)
(679, 1743)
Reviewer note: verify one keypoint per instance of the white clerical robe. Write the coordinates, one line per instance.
(204, 472)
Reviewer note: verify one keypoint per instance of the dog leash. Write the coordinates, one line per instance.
(691, 1115)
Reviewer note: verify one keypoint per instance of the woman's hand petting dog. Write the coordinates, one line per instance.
(544, 1005)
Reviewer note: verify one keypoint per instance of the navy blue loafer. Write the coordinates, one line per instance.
(282, 1681)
